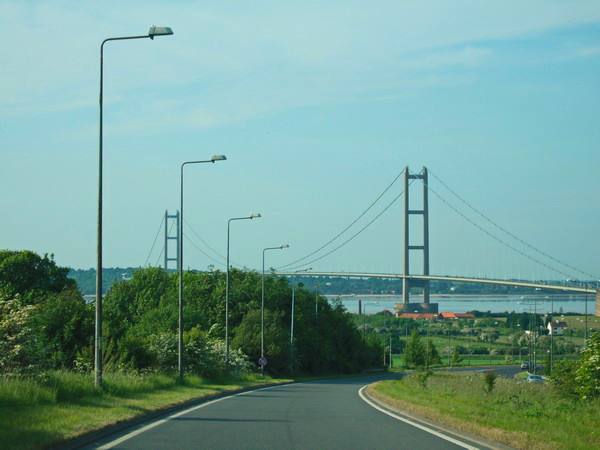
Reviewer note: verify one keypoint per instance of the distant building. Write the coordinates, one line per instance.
(556, 328)
(436, 316)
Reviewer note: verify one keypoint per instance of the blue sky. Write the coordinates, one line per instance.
(318, 108)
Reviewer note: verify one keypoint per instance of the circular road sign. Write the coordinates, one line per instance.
(262, 361)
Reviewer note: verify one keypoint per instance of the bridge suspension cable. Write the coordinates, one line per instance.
(154, 243)
(509, 233)
(347, 228)
(554, 269)
(223, 258)
(202, 251)
(354, 235)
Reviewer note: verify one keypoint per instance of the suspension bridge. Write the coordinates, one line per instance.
(411, 278)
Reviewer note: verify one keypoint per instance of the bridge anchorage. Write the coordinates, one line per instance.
(409, 282)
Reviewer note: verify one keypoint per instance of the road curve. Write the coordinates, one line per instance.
(311, 415)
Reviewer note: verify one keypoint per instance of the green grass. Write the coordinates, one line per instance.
(515, 413)
(40, 411)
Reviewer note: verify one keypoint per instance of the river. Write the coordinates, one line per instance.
(543, 304)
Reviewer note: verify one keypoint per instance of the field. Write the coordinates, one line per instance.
(515, 413)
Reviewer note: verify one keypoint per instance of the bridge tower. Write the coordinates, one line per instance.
(407, 282)
(168, 237)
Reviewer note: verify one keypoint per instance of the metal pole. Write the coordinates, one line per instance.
(251, 216)
(585, 335)
(316, 300)
(262, 315)
(552, 335)
(180, 362)
(227, 304)
(292, 326)
(292, 320)
(98, 326)
(98, 330)
(180, 287)
(262, 307)
(405, 283)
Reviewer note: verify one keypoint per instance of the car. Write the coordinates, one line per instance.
(534, 379)
(524, 365)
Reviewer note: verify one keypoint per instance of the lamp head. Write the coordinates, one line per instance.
(254, 215)
(214, 158)
(159, 31)
(284, 246)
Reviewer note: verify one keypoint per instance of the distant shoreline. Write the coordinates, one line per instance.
(450, 296)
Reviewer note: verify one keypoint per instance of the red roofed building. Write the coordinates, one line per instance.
(439, 316)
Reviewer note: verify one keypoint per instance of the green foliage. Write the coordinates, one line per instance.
(588, 372)
(19, 349)
(45, 321)
(515, 413)
(580, 378)
(422, 376)
(489, 380)
(140, 323)
(30, 276)
(64, 325)
(563, 377)
(455, 357)
(432, 355)
(415, 350)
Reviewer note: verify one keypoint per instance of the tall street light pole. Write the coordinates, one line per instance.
(250, 217)
(292, 320)
(154, 31)
(180, 259)
(262, 306)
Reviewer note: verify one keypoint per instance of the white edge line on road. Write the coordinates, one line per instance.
(414, 424)
(174, 416)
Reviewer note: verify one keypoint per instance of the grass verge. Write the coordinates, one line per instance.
(45, 410)
(517, 414)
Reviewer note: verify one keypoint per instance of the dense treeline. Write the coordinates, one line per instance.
(47, 324)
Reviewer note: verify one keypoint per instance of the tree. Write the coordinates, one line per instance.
(64, 325)
(588, 373)
(415, 350)
(31, 276)
(19, 351)
(455, 357)
(431, 354)
(276, 334)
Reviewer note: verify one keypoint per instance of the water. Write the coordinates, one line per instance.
(544, 304)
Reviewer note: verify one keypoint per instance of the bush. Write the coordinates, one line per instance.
(489, 380)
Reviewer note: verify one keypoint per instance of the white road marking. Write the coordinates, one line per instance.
(174, 416)
(414, 424)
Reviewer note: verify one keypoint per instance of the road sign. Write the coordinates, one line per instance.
(262, 361)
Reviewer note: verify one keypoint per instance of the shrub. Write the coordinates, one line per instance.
(489, 380)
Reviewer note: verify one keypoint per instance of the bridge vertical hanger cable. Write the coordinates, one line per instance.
(355, 234)
(347, 228)
(511, 234)
(154, 243)
(189, 226)
(202, 251)
(497, 238)
(163, 249)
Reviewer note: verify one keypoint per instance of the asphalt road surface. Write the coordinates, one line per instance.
(327, 414)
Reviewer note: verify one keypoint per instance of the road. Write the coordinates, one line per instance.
(311, 415)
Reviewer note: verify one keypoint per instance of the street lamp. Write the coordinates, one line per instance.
(292, 321)
(154, 31)
(262, 306)
(251, 216)
(180, 258)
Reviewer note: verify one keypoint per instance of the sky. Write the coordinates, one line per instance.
(318, 107)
